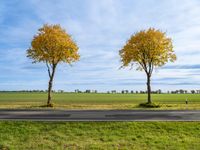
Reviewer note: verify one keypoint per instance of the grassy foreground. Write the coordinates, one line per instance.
(97, 101)
(99, 135)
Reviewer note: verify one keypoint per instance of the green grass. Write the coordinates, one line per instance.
(97, 101)
(100, 135)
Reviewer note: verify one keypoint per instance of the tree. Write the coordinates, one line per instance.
(52, 45)
(193, 91)
(159, 91)
(147, 49)
(181, 91)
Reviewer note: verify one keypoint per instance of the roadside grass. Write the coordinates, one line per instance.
(126, 106)
(98, 101)
(99, 135)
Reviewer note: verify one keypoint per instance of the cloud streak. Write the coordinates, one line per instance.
(194, 66)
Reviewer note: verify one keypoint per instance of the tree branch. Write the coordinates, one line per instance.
(49, 72)
(151, 66)
(143, 66)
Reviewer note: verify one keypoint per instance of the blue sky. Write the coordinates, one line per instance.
(100, 28)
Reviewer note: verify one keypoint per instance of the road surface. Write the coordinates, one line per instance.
(100, 115)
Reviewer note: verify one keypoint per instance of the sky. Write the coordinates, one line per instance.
(100, 28)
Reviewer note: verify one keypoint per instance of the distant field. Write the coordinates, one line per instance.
(99, 135)
(97, 101)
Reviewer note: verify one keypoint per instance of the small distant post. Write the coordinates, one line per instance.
(186, 101)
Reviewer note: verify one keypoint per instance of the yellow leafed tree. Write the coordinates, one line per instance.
(147, 49)
(52, 45)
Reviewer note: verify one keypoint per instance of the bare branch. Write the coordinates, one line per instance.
(49, 72)
(152, 69)
(143, 66)
(151, 66)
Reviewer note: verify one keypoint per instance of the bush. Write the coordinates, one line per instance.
(50, 105)
(149, 105)
(2, 147)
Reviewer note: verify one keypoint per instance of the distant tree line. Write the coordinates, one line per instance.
(86, 91)
(159, 91)
(35, 91)
(181, 91)
(39, 91)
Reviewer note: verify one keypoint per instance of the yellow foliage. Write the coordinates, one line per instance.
(147, 49)
(53, 45)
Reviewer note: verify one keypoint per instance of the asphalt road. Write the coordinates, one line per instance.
(100, 115)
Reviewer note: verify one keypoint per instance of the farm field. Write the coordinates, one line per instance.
(99, 135)
(97, 101)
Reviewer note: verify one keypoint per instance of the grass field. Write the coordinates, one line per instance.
(103, 135)
(97, 101)
(98, 135)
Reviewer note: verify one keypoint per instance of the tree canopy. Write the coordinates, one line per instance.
(147, 49)
(53, 45)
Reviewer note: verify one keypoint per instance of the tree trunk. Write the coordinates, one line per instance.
(50, 85)
(49, 91)
(149, 88)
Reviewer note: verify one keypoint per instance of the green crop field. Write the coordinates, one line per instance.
(99, 135)
(97, 101)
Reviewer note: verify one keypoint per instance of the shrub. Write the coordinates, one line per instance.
(149, 105)
(50, 105)
(2, 147)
